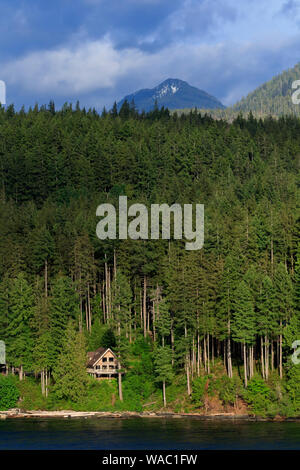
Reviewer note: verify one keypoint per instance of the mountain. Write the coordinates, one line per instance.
(173, 94)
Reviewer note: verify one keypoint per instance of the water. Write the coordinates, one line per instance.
(147, 434)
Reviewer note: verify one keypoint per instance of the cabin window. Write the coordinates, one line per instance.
(104, 359)
(111, 359)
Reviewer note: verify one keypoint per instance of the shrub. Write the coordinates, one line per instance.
(228, 389)
(257, 387)
(136, 389)
(140, 385)
(9, 393)
(101, 395)
(198, 390)
(31, 394)
(261, 397)
(293, 387)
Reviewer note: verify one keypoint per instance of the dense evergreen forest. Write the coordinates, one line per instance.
(191, 324)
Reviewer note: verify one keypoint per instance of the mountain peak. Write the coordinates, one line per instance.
(169, 87)
(172, 93)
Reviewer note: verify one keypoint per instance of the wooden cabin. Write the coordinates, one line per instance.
(102, 364)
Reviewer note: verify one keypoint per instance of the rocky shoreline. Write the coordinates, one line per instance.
(40, 414)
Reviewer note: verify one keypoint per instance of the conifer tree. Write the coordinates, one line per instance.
(283, 305)
(243, 324)
(163, 320)
(63, 307)
(225, 305)
(19, 333)
(266, 321)
(122, 300)
(163, 367)
(69, 374)
(42, 339)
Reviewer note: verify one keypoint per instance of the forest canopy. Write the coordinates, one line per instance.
(237, 299)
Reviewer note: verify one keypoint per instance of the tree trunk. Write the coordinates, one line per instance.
(172, 342)
(115, 264)
(267, 357)
(229, 360)
(164, 393)
(42, 382)
(106, 290)
(119, 365)
(89, 309)
(46, 278)
(46, 385)
(252, 361)
(187, 366)
(109, 295)
(141, 310)
(80, 318)
(193, 358)
(272, 355)
(153, 321)
(208, 358)
(198, 354)
(245, 365)
(280, 351)
(120, 382)
(188, 376)
(86, 317)
(145, 306)
(262, 360)
(103, 301)
(135, 312)
(204, 353)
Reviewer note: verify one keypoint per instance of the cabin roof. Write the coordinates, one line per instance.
(94, 356)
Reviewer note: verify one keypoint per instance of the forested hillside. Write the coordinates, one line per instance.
(273, 98)
(224, 316)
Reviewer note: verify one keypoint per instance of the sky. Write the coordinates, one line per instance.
(97, 51)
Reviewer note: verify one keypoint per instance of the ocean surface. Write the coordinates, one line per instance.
(147, 434)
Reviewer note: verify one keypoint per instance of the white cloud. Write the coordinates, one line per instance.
(89, 66)
(227, 70)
